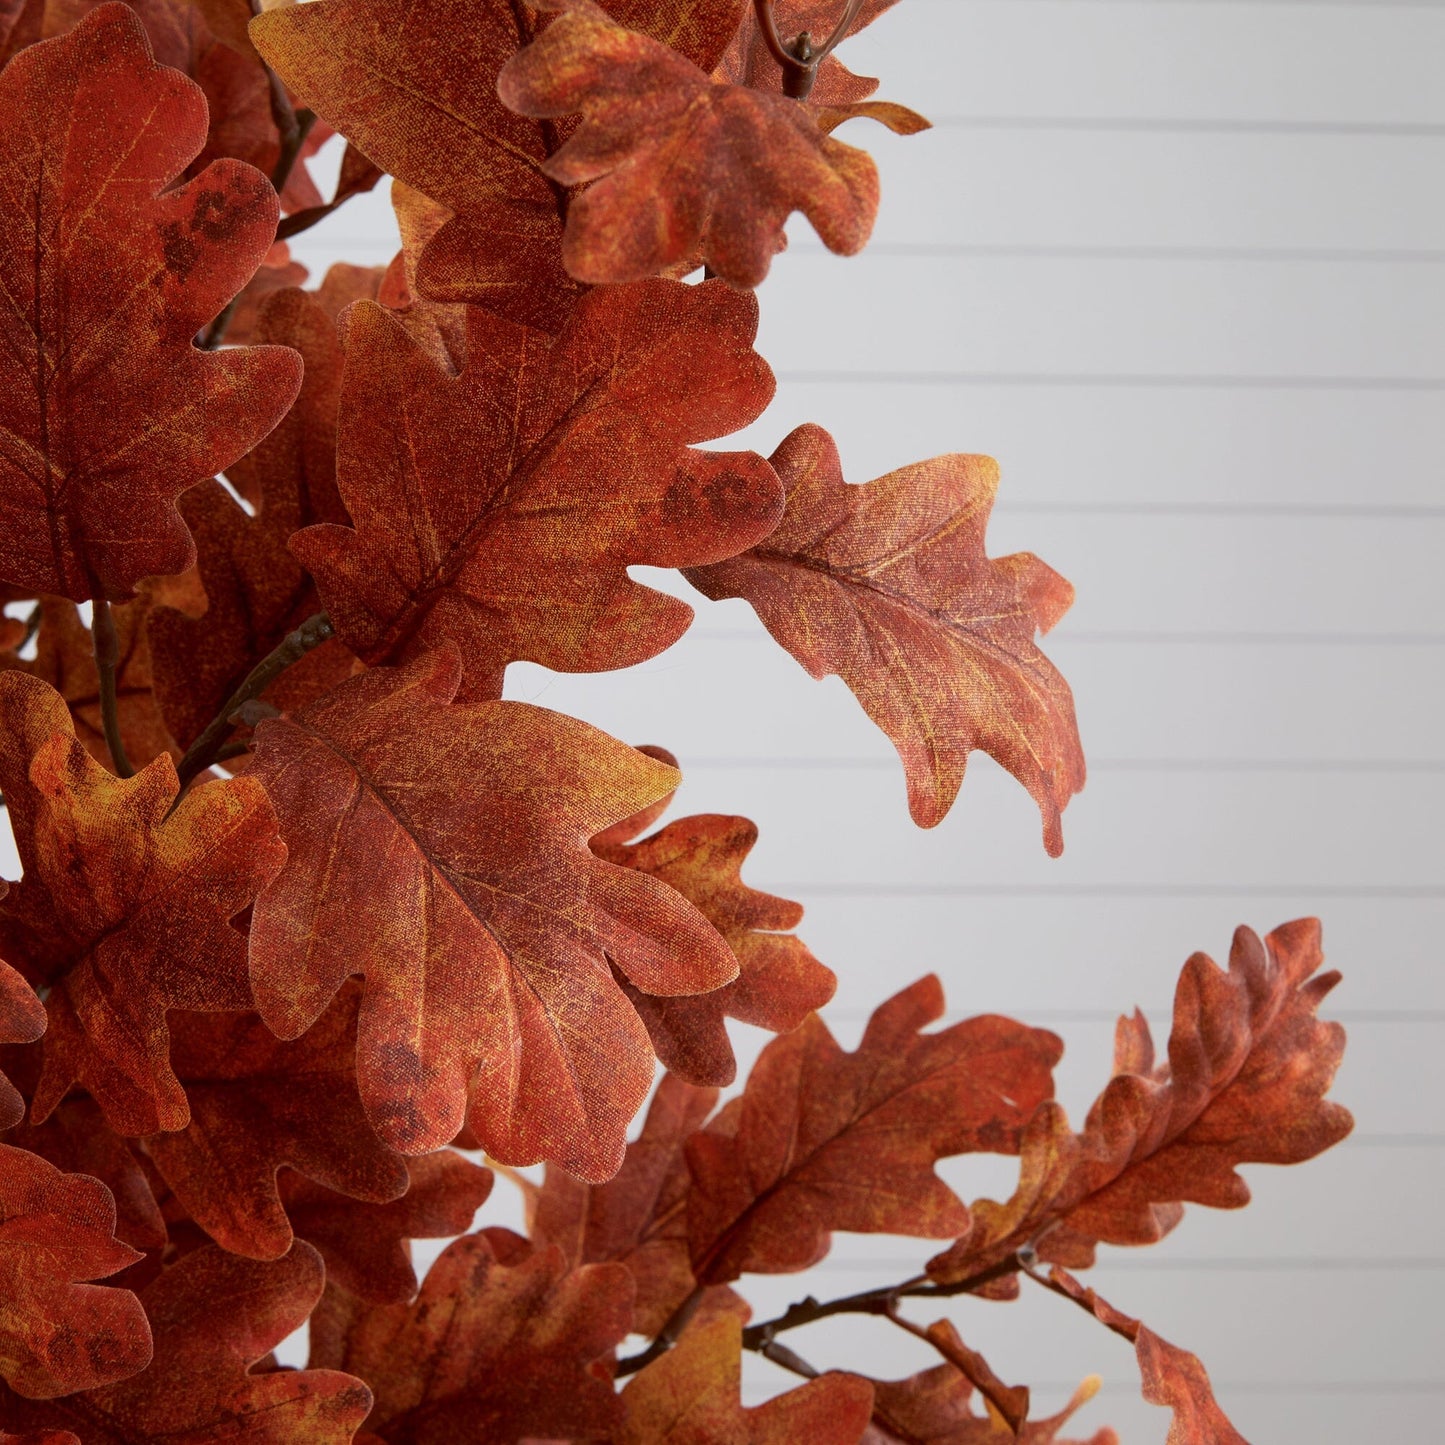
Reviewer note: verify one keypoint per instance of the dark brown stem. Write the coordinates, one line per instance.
(293, 647)
(799, 58)
(677, 1322)
(33, 620)
(107, 658)
(782, 1355)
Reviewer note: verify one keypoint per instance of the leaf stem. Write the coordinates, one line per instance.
(107, 658)
(209, 746)
(677, 1322)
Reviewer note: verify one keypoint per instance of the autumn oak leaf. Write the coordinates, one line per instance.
(779, 982)
(441, 852)
(491, 1350)
(107, 410)
(214, 1315)
(537, 476)
(680, 164)
(22, 1021)
(59, 1333)
(125, 907)
(825, 1140)
(690, 1396)
(888, 585)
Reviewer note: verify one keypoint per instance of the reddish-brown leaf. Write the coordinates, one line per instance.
(40, 1437)
(1009, 1402)
(681, 165)
(827, 1140)
(638, 1218)
(441, 852)
(125, 907)
(22, 1021)
(256, 591)
(277, 272)
(889, 586)
(365, 1245)
(490, 1351)
(107, 410)
(690, 1397)
(537, 476)
(20, 25)
(1249, 1065)
(935, 1407)
(214, 1315)
(57, 1332)
(259, 1104)
(779, 982)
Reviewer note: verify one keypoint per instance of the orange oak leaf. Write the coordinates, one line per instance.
(888, 585)
(214, 1315)
(935, 1407)
(827, 1140)
(441, 852)
(57, 1332)
(65, 658)
(490, 1351)
(365, 1245)
(125, 907)
(22, 1021)
(344, 283)
(107, 411)
(690, 1397)
(277, 272)
(779, 982)
(1171, 1377)
(638, 1218)
(256, 591)
(1249, 1065)
(680, 164)
(259, 1104)
(537, 476)
(1009, 1402)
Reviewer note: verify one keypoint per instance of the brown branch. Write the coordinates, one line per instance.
(33, 619)
(799, 58)
(677, 1322)
(208, 747)
(789, 1360)
(1118, 1326)
(107, 658)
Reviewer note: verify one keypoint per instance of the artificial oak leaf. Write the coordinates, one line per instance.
(935, 1407)
(21, 24)
(824, 1140)
(65, 658)
(441, 852)
(214, 1315)
(365, 1245)
(630, 828)
(107, 410)
(779, 982)
(537, 476)
(888, 585)
(1009, 1402)
(259, 1104)
(439, 327)
(690, 1396)
(490, 1350)
(40, 1437)
(1249, 1065)
(22, 1021)
(277, 272)
(125, 907)
(344, 283)
(639, 1217)
(256, 591)
(59, 1333)
(679, 164)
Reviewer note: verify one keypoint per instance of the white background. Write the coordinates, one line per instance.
(1179, 267)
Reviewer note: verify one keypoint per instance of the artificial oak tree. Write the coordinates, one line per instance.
(310, 915)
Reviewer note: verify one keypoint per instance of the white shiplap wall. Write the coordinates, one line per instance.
(1179, 267)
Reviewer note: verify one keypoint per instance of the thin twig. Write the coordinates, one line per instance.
(781, 1355)
(293, 647)
(33, 619)
(677, 1322)
(107, 658)
(1055, 1287)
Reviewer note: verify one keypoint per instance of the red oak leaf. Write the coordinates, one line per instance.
(256, 591)
(638, 1218)
(125, 907)
(398, 806)
(259, 1104)
(490, 1351)
(779, 982)
(365, 1245)
(1249, 1065)
(344, 283)
(20, 25)
(537, 476)
(58, 1333)
(826, 1140)
(690, 1397)
(681, 165)
(107, 411)
(888, 585)
(277, 272)
(22, 1021)
(214, 1315)
(40, 1437)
